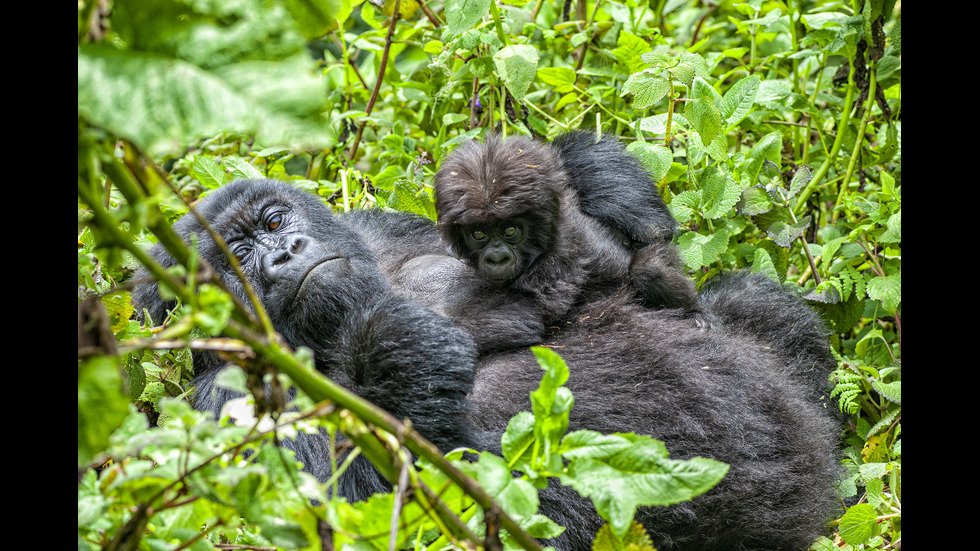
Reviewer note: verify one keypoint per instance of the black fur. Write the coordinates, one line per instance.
(704, 393)
(322, 289)
(753, 306)
(717, 394)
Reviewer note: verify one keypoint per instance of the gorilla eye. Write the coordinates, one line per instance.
(510, 231)
(275, 222)
(479, 235)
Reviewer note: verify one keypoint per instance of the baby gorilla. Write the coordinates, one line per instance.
(510, 210)
(322, 289)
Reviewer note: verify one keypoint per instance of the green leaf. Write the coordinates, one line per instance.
(102, 404)
(768, 148)
(629, 51)
(719, 193)
(551, 404)
(208, 172)
(701, 250)
(702, 111)
(647, 88)
(783, 233)
(738, 100)
(163, 104)
(859, 524)
(622, 472)
(462, 15)
(655, 157)
(517, 65)
(887, 289)
(562, 79)
(754, 201)
(635, 539)
(241, 169)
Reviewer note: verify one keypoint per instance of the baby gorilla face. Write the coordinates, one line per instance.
(498, 250)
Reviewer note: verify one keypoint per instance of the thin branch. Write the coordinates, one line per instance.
(378, 81)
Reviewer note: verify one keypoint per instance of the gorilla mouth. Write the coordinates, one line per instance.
(315, 272)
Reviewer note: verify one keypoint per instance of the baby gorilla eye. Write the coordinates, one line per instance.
(510, 231)
(479, 234)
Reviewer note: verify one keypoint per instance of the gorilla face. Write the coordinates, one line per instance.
(500, 205)
(307, 268)
(499, 249)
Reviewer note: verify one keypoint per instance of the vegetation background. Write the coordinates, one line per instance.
(772, 128)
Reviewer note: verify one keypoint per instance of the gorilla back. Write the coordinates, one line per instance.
(323, 291)
(703, 393)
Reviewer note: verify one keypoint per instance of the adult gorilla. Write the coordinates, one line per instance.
(323, 291)
(633, 369)
(712, 394)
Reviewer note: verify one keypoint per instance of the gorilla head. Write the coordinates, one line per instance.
(323, 290)
(501, 205)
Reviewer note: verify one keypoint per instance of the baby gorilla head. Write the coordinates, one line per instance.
(499, 205)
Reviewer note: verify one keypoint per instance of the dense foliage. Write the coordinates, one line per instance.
(773, 130)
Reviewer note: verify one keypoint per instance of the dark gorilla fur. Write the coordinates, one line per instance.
(753, 306)
(704, 393)
(565, 255)
(714, 394)
(322, 289)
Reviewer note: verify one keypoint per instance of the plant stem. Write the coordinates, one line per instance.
(378, 81)
(858, 140)
(832, 154)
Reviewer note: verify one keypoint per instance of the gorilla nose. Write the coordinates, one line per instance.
(283, 258)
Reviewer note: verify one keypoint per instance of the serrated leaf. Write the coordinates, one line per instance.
(858, 524)
(719, 193)
(767, 148)
(635, 539)
(655, 157)
(619, 479)
(887, 289)
(629, 51)
(241, 169)
(208, 172)
(517, 65)
(704, 117)
(701, 250)
(783, 233)
(647, 88)
(462, 15)
(738, 100)
(799, 181)
(754, 201)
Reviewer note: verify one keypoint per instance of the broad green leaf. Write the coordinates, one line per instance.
(768, 148)
(800, 179)
(462, 15)
(887, 289)
(517, 65)
(634, 473)
(719, 193)
(208, 172)
(783, 233)
(754, 201)
(629, 51)
(562, 79)
(551, 404)
(635, 539)
(762, 264)
(655, 157)
(699, 250)
(102, 405)
(163, 104)
(241, 169)
(858, 524)
(738, 100)
(647, 88)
